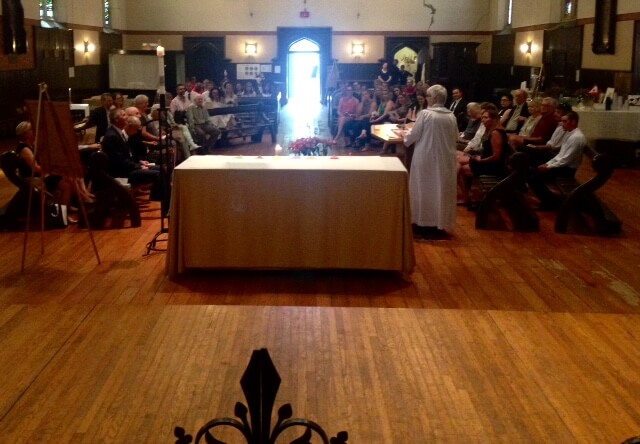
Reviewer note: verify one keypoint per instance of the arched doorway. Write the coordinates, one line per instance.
(204, 57)
(303, 66)
(416, 44)
(321, 36)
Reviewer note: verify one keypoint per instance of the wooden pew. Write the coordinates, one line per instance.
(508, 192)
(270, 109)
(580, 199)
(251, 122)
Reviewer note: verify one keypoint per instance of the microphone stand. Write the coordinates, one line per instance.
(163, 145)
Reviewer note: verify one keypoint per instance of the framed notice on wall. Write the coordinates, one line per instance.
(247, 71)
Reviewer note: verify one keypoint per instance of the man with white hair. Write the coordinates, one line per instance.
(432, 182)
(199, 123)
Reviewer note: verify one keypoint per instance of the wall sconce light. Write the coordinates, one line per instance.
(250, 48)
(86, 47)
(525, 48)
(357, 49)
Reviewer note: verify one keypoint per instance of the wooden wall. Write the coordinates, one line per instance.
(50, 55)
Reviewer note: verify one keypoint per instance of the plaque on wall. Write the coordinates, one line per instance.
(247, 71)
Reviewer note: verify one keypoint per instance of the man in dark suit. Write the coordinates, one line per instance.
(459, 108)
(99, 117)
(121, 161)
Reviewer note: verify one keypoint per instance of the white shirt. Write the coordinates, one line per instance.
(475, 144)
(570, 154)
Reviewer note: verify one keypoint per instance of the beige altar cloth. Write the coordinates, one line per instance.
(290, 212)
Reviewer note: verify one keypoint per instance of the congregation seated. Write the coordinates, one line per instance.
(379, 116)
(564, 164)
(506, 104)
(410, 89)
(139, 149)
(99, 117)
(491, 160)
(63, 188)
(230, 97)
(179, 105)
(347, 110)
(458, 107)
(513, 119)
(121, 160)
(401, 110)
(221, 121)
(542, 153)
(354, 127)
(118, 102)
(542, 129)
(474, 113)
(204, 131)
(249, 90)
(417, 106)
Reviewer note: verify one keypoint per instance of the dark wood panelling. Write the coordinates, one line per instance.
(367, 72)
(562, 58)
(502, 49)
(493, 81)
(53, 55)
(455, 65)
(205, 57)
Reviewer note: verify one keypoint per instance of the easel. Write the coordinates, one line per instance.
(54, 130)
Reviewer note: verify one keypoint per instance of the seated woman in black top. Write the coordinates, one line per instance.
(492, 160)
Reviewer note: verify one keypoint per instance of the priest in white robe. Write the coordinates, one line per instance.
(432, 180)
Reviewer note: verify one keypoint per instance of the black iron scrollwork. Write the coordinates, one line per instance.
(260, 384)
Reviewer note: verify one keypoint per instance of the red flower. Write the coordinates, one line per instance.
(308, 145)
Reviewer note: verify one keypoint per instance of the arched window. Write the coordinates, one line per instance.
(304, 45)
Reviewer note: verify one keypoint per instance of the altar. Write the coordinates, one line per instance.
(616, 133)
(290, 213)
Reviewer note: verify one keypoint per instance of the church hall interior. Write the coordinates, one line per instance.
(490, 335)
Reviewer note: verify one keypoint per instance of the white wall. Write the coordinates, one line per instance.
(375, 15)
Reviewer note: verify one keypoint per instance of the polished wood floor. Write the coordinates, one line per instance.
(497, 337)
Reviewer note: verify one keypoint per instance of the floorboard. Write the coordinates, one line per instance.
(497, 336)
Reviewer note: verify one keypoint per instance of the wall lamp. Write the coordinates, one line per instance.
(357, 49)
(250, 48)
(526, 48)
(86, 47)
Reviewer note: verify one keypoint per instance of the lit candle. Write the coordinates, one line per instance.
(278, 150)
(160, 54)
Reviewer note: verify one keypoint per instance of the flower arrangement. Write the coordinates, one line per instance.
(310, 146)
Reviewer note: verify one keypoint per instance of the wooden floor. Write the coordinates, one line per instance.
(498, 337)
